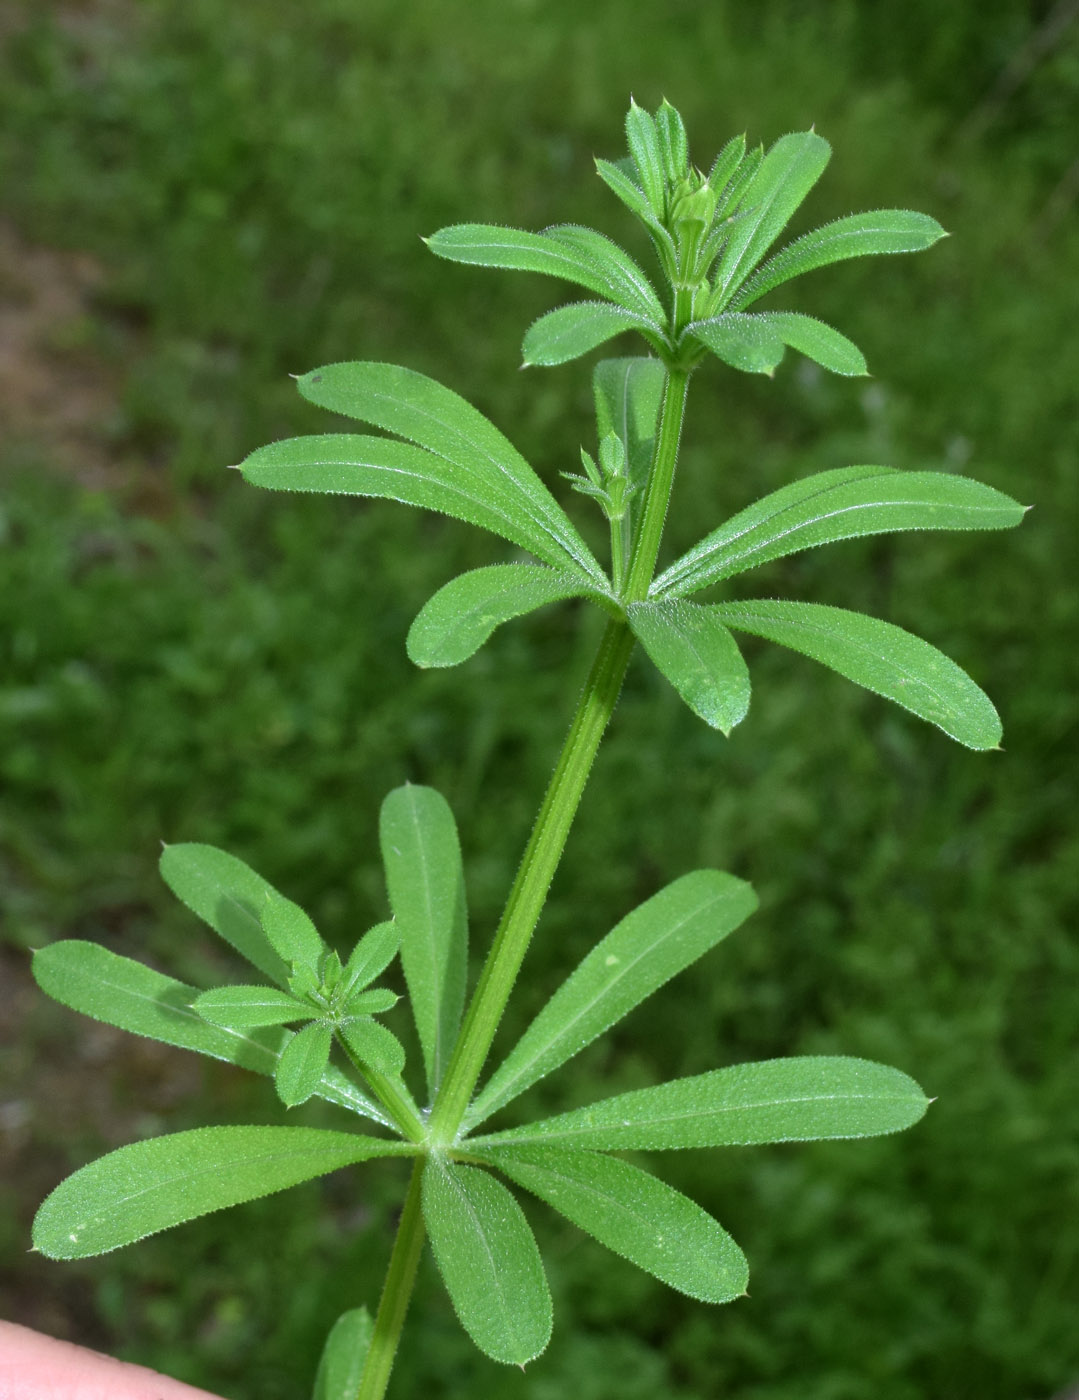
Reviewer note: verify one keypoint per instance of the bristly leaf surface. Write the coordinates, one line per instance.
(165, 1181)
(646, 949)
(228, 895)
(124, 993)
(628, 394)
(795, 1100)
(453, 624)
(568, 332)
(837, 505)
(691, 646)
(422, 857)
(488, 1258)
(879, 656)
(857, 236)
(340, 1368)
(635, 1215)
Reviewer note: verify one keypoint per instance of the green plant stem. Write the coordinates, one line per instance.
(548, 839)
(660, 480)
(393, 1096)
(396, 1292)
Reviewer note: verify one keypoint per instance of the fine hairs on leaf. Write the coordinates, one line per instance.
(306, 1013)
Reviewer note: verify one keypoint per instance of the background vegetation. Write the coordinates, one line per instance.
(199, 199)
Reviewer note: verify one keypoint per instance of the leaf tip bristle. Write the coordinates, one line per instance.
(232, 467)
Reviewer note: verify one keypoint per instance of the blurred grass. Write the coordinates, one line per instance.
(187, 659)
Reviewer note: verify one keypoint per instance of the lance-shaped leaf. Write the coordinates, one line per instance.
(340, 1368)
(242, 1008)
(551, 252)
(373, 1044)
(126, 994)
(725, 165)
(372, 954)
(464, 466)
(371, 1003)
(646, 949)
(571, 331)
(817, 341)
(749, 343)
(856, 236)
(879, 656)
(786, 175)
(754, 343)
(150, 1186)
(422, 856)
(425, 412)
(303, 1063)
(647, 154)
(627, 281)
(229, 896)
(453, 624)
(673, 142)
(635, 1215)
(290, 931)
(795, 1100)
(691, 646)
(488, 1258)
(628, 395)
(635, 200)
(837, 505)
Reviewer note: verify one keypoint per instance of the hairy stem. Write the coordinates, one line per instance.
(548, 839)
(391, 1093)
(396, 1292)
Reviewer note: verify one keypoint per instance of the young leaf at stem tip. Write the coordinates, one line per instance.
(303, 1063)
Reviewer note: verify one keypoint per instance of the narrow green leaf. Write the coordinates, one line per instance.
(837, 505)
(372, 1003)
(635, 1215)
(634, 198)
(628, 395)
(673, 143)
(553, 253)
(725, 165)
(644, 147)
(694, 650)
(303, 1063)
(571, 331)
(455, 623)
(795, 1100)
(488, 1259)
(353, 464)
(242, 1008)
(879, 656)
(150, 1186)
(490, 474)
(291, 933)
(817, 341)
(748, 343)
(786, 175)
(372, 954)
(856, 236)
(340, 1369)
(422, 856)
(627, 282)
(374, 1045)
(646, 949)
(733, 197)
(226, 894)
(121, 992)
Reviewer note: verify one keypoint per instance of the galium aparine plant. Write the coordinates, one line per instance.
(713, 234)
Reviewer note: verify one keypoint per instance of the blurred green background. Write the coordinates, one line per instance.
(198, 199)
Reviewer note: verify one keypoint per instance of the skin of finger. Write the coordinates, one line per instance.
(36, 1367)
